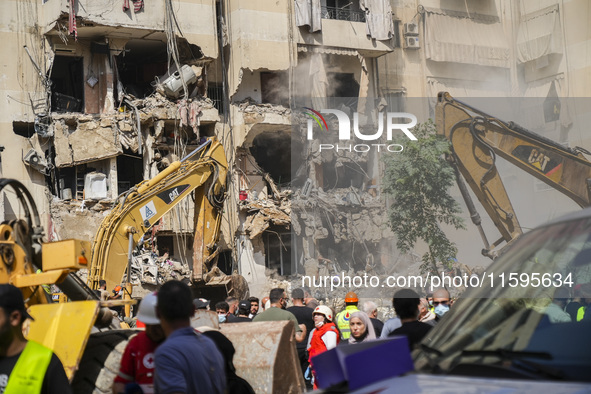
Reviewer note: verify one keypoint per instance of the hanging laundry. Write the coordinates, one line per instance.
(72, 29)
(378, 19)
(309, 12)
(138, 5)
(189, 114)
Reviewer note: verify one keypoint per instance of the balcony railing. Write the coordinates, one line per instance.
(216, 93)
(343, 14)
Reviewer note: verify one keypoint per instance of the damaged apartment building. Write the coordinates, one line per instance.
(106, 96)
(301, 54)
(102, 98)
(100, 95)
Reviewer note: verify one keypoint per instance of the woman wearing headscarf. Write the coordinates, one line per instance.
(361, 328)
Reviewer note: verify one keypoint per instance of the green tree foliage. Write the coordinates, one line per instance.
(418, 180)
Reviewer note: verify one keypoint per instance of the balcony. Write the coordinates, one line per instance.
(343, 14)
(344, 28)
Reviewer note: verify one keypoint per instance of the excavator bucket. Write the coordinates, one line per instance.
(266, 356)
(204, 318)
(217, 288)
(64, 328)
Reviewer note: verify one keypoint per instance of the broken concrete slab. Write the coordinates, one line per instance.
(263, 213)
(71, 222)
(88, 141)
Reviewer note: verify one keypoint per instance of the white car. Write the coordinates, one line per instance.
(512, 334)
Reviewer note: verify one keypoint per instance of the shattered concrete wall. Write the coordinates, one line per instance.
(80, 138)
(263, 205)
(90, 139)
(262, 208)
(76, 219)
(196, 17)
(258, 38)
(253, 118)
(340, 223)
(20, 87)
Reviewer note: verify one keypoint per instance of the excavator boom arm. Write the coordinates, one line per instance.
(150, 200)
(476, 138)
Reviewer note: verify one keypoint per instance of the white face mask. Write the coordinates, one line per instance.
(441, 310)
(319, 324)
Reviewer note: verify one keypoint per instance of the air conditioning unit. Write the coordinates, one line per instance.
(411, 29)
(173, 85)
(34, 159)
(63, 48)
(412, 42)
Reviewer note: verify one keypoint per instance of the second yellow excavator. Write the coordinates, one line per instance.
(476, 138)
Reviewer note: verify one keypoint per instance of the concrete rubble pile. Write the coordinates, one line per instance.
(251, 106)
(266, 210)
(81, 138)
(148, 268)
(263, 213)
(348, 215)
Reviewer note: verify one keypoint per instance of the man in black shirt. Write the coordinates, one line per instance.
(406, 304)
(304, 316)
(40, 371)
(243, 311)
(233, 305)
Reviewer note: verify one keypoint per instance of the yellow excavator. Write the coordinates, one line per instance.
(143, 206)
(83, 333)
(477, 138)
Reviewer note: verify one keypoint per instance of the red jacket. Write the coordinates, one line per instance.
(317, 346)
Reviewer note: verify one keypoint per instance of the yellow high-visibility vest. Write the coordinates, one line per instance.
(28, 373)
(581, 313)
(342, 321)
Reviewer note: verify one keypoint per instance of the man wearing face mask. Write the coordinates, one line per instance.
(223, 309)
(430, 302)
(441, 303)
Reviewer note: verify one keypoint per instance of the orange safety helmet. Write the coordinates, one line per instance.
(117, 289)
(351, 297)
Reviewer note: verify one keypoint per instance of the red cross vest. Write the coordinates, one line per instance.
(317, 346)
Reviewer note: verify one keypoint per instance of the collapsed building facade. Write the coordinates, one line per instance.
(101, 97)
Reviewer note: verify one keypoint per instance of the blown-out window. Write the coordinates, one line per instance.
(67, 91)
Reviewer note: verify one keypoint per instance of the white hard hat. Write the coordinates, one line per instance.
(147, 311)
(324, 310)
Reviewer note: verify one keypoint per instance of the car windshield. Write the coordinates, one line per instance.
(518, 318)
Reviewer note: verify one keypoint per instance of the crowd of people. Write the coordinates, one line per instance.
(170, 356)
(318, 328)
